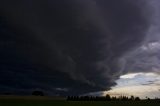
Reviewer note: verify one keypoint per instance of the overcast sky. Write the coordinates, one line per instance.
(73, 47)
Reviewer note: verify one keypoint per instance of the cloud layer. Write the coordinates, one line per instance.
(68, 47)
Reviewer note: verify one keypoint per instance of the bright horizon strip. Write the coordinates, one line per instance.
(137, 84)
(132, 75)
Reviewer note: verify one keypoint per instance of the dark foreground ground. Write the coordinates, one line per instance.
(34, 101)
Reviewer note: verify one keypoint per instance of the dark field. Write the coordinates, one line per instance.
(66, 103)
(30, 101)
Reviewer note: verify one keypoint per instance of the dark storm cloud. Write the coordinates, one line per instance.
(73, 44)
(146, 57)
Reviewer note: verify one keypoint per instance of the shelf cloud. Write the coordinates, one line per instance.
(77, 46)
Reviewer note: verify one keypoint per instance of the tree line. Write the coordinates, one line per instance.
(102, 98)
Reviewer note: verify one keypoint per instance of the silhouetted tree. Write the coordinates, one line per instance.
(114, 98)
(137, 99)
(132, 97)
(7, 93)
(124, 98)
(108, 97)
(37, 93)
(148, 98)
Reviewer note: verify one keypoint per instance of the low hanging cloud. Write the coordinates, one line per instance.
(73, 44)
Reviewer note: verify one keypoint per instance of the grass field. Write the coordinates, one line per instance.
(51, 102)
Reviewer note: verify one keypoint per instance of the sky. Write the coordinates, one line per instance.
(143, 85)
(77, 47)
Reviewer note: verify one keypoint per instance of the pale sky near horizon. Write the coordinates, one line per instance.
(137, 84)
